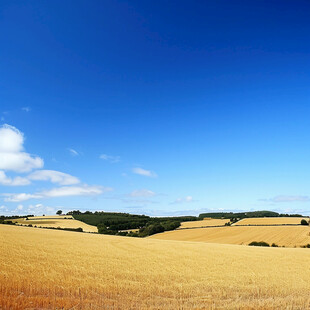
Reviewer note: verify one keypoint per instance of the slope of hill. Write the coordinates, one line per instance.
(49, 269)
(65, 221)
(270, 221)
(289, 236)
(204, 223)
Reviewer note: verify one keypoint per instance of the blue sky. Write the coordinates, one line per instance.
(154, 107)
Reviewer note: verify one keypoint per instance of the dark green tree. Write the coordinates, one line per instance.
(304, 222)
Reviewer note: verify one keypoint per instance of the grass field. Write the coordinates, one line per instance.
(66, 221)
(289, 236)
(211, 222)
(269, 221)
(47, 269)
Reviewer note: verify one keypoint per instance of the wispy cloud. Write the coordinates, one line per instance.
(109, 158)
(73, 152)
(39, 175)
(17, 181)
(142, 193)
(287, 198)
(20, 197)
(26, 109)
(186, 199)
(64, 191)
(54, 177)
(85, 190)
(144, 172)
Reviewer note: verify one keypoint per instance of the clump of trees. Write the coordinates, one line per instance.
(114, 223)
(234, 220)
(158, 228)
(149, 229)
(7, 219)
(304, 222)
(260, 243)
(8, 222)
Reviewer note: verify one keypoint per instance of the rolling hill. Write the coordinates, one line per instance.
(63, 221)
(289, 236)
(49, 269)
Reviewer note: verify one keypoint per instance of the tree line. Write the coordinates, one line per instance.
(115, 223)
(242, 215)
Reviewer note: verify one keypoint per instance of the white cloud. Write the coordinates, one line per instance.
(287, 198)
(185, 199)
(111, 159)
(39, 209)
(143, 172)
(54, 177)
(19, 197)
(83, 190)
(12, 156)
(142, 193)
(17, 181)
(4, 208)
(20, 207)
(26, 109)
(73, 152)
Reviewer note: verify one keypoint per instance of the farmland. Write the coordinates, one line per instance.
(289, 236)
(56, 221)
(56, 269)
(270, 221)
(204, 223)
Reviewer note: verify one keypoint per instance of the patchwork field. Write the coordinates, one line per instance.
(204, 223)
(270, 221)
(49, 269)
(289, 236)
(65, 221)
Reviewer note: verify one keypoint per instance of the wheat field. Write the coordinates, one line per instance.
(270, 221)
(204, 223)
(289, 236)
(65, 221)
(50, 269)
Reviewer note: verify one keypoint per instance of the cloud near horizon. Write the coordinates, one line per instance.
(14, 158)
(64, 191)
(287, 198)
(186, 199)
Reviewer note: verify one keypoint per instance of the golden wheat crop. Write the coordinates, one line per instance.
(48, 269)
(56, 221)
(270, 221)
(204, 223)
(289, 236)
